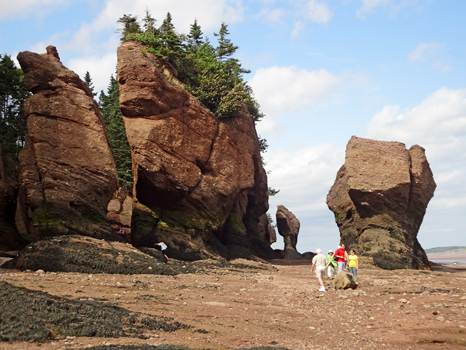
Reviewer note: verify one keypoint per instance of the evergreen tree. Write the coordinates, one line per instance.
(149, 23)
(171, 40)
(130, 26)
(89, 83)
(195, 36)
(12, 118)
(110, 106)
(225, 47)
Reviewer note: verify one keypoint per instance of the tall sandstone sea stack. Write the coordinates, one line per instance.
(199, 183)
(379, 199)
(67, 172)
(288, 227)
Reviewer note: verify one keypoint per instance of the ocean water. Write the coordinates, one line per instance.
(448, 262)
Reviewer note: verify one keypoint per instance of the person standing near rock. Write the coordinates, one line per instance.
(353, 263)
(331, 265)
(163, 247)
(121, 232)
(318, 264)
(342, 257)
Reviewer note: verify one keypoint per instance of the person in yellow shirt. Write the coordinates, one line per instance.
(353, 263)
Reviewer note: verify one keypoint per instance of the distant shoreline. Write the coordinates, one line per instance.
(448, 258)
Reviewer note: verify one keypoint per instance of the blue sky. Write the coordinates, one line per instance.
(322, 71)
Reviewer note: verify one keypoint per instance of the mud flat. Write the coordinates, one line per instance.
(248, 305)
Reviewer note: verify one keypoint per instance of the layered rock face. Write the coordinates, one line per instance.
(67, 172)
(201, 179)
(379, 199)
(288, 227)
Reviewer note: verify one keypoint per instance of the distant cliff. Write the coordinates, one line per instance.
(446, 250)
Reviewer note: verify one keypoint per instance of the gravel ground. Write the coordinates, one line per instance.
(247, 305)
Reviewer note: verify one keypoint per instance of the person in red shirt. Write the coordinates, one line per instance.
(342, 256)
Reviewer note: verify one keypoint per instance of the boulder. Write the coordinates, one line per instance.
(308, 255)
(344, 280)
(67, 172)
(201, 178)
(73, 253)
(288, 227)
(120, 210)
(379, 199)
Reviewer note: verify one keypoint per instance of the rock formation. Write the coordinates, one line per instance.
(67, 172)
(199, 182)
(379, 199)
(288, 227)
(9, 237)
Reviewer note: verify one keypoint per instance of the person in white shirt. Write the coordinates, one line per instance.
(163, 247)
(318, 264)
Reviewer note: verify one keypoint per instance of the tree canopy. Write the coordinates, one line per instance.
(210, 73)
(12, 119)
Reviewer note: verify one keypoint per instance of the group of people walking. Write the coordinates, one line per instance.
(337, 260)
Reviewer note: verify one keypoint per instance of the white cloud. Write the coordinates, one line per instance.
(100, 69)
(287, 88)
(298, 27)
(425, 50)
(272, 15)
(318, 11)
(209, 13)
(432, 53)
(23, 8)
(392, 6)
(369, 6)
(438, 124)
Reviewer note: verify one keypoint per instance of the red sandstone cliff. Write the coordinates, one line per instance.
(199, 182)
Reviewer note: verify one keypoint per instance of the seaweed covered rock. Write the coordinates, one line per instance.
(201, 178)
(87, 255)
(67, 172)
(288, 227)
(30, 315)
(379, 199)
